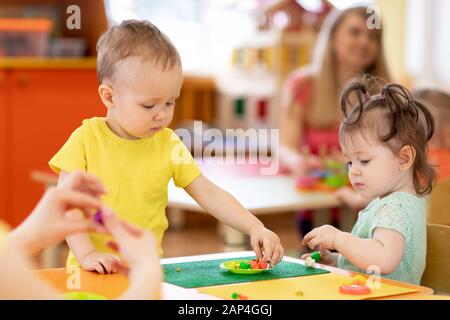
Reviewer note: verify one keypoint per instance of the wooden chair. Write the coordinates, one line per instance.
(439, 203)
(437, 270)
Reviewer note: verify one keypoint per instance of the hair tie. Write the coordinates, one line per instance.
(383, 93)
(365, 94)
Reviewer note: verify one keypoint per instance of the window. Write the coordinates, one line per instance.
(204, 31)
(427, 46)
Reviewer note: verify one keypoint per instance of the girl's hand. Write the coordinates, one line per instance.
(266, 245)
(326, 257)
(323, 236)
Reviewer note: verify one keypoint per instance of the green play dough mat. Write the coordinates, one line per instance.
(208, 273)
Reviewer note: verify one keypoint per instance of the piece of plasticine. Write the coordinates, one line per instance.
(98, 217)
(316, 256)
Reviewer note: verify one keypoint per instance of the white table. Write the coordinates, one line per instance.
(259, 194)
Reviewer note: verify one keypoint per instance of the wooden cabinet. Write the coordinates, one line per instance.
(40, 106)
(3, 148)
(45, 106)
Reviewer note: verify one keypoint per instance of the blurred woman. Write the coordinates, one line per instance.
(346, 48)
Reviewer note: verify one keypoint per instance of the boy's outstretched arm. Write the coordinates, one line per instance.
(227, 209)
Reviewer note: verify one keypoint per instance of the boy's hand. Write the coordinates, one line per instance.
(326, 257)
(104, 263)
(266, 245)
(323, 236)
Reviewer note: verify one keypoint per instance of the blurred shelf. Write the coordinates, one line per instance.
(47, 63)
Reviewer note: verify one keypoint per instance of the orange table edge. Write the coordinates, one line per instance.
(111, 286)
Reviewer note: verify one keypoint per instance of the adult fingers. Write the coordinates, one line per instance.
(132, 229)
(76, 226)
(116, 265)
(113, 245)
(75, 199)
(123, 269)
(83, 181)
(114, 225)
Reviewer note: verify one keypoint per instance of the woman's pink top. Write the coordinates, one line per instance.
(301, 86)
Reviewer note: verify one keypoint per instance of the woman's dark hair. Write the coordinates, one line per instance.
(397, 119)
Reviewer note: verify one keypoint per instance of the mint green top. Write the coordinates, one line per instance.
(406, 214)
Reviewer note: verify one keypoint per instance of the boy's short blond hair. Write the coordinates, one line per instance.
(134, 37)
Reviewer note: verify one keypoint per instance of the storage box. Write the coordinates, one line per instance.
(68, 47)
(25, 37)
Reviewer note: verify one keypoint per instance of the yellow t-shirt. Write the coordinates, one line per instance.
(135, 173)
